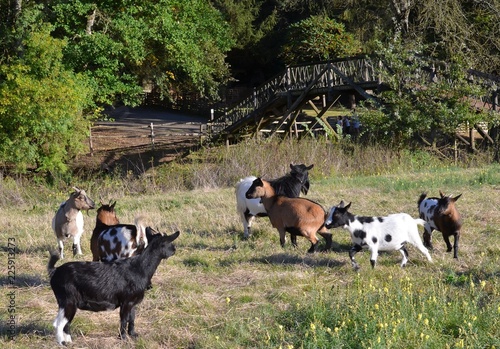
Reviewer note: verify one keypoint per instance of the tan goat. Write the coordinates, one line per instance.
(298, 216)
(68, 220)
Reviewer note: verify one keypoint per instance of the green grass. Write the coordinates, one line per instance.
(221, 291)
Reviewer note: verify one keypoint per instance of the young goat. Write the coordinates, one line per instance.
(106, 217)
(441, 214)
(389, 233)
(298, 216)
(105, 286)
(68, 220)
(290, 185)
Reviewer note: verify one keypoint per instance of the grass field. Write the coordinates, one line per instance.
(221, 291)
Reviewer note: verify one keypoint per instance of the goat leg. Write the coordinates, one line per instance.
(314, 247)
(282, 238)
(355, 249)
(404, 252)
(328, 240)
(427, 239)
(455, 246)
(446, 238)
(125, 310)
(131, 323)
(373, 256)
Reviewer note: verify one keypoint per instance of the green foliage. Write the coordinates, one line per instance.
(247, 28)
(391, 312)
(318, 38)
(413, 104)
(121, 46)
(41, 106)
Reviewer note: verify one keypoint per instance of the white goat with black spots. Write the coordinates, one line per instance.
(388, 233)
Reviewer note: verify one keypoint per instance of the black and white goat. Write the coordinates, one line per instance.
(441, 214)
(68, 220)
(106, 216)
(105, 286)
(388, 233)
(290, 185)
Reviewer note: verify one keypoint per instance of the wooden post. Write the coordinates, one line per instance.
(287, 87)
(91, 146)
(455, 149)
(471, 137)
(152, 135)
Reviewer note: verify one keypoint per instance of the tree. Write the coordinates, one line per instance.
(413, 104)
(318, 38)
(177, 45)
(41, 107)
(447, 28)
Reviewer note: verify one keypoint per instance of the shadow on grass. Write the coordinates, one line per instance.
(9, 332)
(30, 250)
(23, 281)
(286, 259)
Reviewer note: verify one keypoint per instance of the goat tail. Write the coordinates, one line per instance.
(421, 198)
(51, 266)
(141, 231)
(420, 221)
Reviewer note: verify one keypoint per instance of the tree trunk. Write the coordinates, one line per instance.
(90, 22)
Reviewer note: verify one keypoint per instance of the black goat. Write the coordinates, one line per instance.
(97, 286)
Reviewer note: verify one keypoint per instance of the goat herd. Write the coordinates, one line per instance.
(126, 256)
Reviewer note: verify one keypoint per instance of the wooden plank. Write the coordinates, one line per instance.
(484, 134)
(310, 102)
(300, 99)
(462, 139)
(349, 81)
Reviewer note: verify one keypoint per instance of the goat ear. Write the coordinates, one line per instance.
(170, 238)
(112, 205)
(341, 205)
(347, 206)
(456, 198)
(76, 189)
(441, 193)
(310, 167)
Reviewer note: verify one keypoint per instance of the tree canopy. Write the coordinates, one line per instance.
(62, 61)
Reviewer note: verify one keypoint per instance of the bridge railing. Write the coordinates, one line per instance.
(297, 78)
(358, 69)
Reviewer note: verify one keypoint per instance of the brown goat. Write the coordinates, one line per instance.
(106, 216)
(298, 216)
(441, 214)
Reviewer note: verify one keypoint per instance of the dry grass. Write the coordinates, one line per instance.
(220, 291)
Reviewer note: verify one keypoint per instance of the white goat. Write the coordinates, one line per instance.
(68, 220)
(388, 233)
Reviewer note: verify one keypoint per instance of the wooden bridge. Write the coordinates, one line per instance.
(276, 105)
